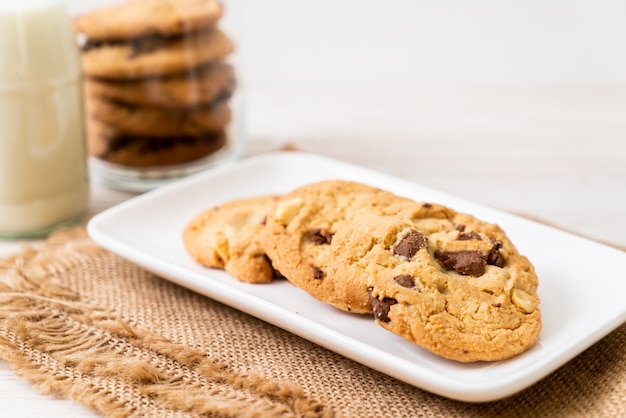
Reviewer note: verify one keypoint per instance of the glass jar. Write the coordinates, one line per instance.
(163, 96)
(43, 169)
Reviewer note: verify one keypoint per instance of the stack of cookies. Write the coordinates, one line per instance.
(157, 86)
(443, 280)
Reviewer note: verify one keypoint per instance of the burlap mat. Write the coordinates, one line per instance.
(80, 322)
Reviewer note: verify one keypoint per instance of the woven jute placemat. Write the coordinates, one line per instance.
(80, 322)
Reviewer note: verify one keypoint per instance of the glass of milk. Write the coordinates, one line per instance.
(43, 174)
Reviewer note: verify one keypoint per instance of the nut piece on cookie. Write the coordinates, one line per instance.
(287, 210)
(523, 300)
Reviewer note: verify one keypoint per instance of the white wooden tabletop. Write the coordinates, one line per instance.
(526, 137)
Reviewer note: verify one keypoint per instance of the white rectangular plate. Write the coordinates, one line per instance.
(582, 284)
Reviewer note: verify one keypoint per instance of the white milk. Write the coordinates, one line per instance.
(43, 174)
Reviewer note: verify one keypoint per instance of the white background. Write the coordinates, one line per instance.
(443, 41)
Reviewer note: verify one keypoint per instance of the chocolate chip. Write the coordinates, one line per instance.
(427, 205)
(318, 273)
(145, 45)
(150, 144)
(405, 281)
(467, 236)
(320, 236)
(381, 307)
(460, 228)
(89, 44)
(494, 257)
(410, 244)
(222, 96)
(470, 263)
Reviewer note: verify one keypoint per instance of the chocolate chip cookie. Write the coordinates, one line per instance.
(206, 85)
(227, 236)
(299, 234)
(157, 122)
(443, 280)
(111, 145)
(139, 18)
(154, 56)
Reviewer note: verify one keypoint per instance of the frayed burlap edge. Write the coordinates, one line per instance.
(69, 348)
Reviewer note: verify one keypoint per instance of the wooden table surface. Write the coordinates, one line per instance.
(465, 102)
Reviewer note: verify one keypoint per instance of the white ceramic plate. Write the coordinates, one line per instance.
(582, 284)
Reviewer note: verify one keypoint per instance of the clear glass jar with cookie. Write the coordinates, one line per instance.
(162, 89)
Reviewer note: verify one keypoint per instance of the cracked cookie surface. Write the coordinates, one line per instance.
(299, 234)
(443, 280)
(227, 237)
